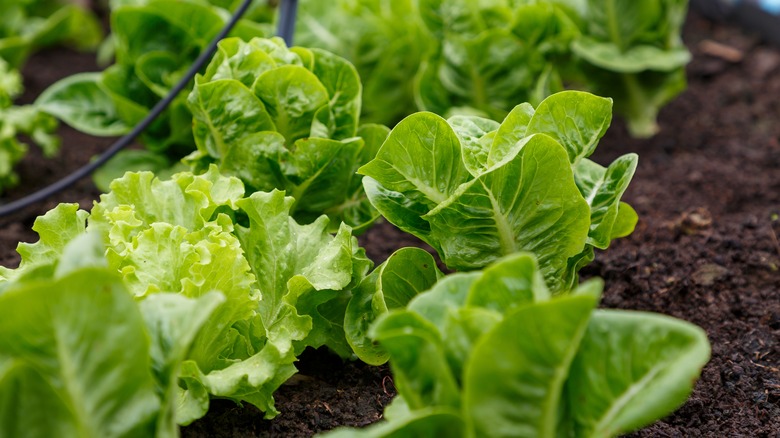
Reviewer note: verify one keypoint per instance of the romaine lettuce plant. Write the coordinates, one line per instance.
(282, 118)
(491, 56)
(476, 190)
(481, 58)
(284, 286)
(494, 353)
(384, 39)
(632, 52)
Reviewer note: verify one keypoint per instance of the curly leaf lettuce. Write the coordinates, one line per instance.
(282, 286)
(20, 120)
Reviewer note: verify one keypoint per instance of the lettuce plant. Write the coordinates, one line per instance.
(476, 190)
(28, 25)
(494, 353)
(79, 357)
(154, 42)
(385, 40)
(632, 52)
(465, 57)
(491, 56)
(283, 286)
(291, 123)
(20, 120)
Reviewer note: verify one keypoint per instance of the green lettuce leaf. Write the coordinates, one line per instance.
(49, 362)
(633, 368)
(292, 124)
(495, 355)
(632, 52)
(406, 273)
(282, 286)
(477, 190)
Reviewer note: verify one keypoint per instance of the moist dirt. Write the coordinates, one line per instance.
(706, 248)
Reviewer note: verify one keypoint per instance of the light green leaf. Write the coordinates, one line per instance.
(514, 281)
(577, 120)
(55, 229)
(87, 391)
(292, 95)
(406, 273)
(417, 359)
(514, 379)
(633, 368)
(80, 102)
(602, 188)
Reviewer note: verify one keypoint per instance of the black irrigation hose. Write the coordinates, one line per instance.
(123, 142)
(288, 11)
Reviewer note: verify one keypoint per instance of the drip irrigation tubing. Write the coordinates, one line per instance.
(287, 12)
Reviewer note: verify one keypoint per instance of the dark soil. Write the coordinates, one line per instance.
(706, 248)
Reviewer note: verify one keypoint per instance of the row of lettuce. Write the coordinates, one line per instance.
(127, 319)
(446, 56)
(27, 26)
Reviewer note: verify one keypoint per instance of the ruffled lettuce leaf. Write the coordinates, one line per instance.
(282, 286)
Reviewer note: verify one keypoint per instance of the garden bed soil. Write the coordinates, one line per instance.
(706, 249)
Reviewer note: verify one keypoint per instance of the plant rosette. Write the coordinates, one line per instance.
(286, 118)
(279, 287)
(495, 353)
(477, 190)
